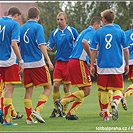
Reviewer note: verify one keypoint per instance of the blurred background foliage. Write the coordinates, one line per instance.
(80, 13)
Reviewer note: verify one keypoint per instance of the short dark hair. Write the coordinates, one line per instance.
(33, 12)
(95, 19)
(14, 10)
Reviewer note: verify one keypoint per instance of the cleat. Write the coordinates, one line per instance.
(53, 114)
(101, 113)
(124, 103)
(59, 107)
(1, 117)
(37, 116)
(110, 114)
(106, 118)
(114, 112)
(31, 122)
(18, 116)
(71, 117)
(64, 115)
(9, 124)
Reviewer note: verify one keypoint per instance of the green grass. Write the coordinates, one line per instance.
(88, 113)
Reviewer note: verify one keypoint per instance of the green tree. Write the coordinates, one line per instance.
(124, 11)
(48, 13)
(77, 14)
(127, 14)
(80, 13)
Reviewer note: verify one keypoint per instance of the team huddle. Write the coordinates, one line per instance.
(102, 49)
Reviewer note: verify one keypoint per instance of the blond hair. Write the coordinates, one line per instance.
(62, 13)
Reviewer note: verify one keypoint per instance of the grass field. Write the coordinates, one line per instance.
(88, 113)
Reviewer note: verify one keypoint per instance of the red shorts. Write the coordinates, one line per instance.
(110, 82)
(61, 72)
(130, 74)
(10, 74)
(79, 73)
(36, 77)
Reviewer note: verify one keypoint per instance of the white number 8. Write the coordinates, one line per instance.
(108, 45)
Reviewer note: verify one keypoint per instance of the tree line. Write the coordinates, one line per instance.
(80, 13)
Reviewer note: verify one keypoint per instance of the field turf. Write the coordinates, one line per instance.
(88, 113)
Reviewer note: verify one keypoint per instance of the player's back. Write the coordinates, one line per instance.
(111, 40)
(9, 30)
(31, 36)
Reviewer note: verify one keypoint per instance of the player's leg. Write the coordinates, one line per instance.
(67, 82)
(99, 101)
(56, 95)
(71, 113)
(2, 86)
(41, 77)
(72, 97)
(129, 90)
(28, 105)
(57, 79)
(66, 93)
(41, 102)
(8, 104)
(1, 112)
(28, 84)
(102, 81)
(2, 100)
(80, 77)
(105, 104)
(9, 81)
(110, 94)
(117, 95)
(75, 96)
(117, 87)
(14, 114)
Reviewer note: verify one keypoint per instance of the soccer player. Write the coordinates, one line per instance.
(110, 42)
(9, 52)
(36, 73)
(109, 92)
(79, 71)
(129, 90)
(63, 39)
(14, 114)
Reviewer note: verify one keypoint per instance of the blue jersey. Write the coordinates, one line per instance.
(31, 36)
(116, 25)
(9, 31)
(78, 50)
(129, 35)
(110, 42)
(63, 40)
